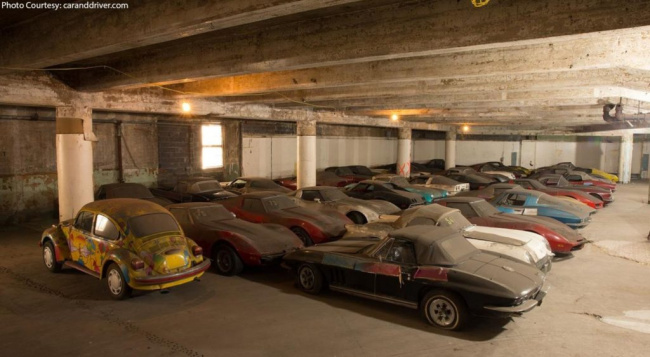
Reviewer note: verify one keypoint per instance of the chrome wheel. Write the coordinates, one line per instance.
(442, 312)
(307, 278)
(48, 257)
(115, 283)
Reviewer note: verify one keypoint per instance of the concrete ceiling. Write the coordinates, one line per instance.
(520, 64)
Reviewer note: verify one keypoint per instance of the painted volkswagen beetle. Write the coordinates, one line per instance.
(434, 269)
(128, 243)
(528, 202)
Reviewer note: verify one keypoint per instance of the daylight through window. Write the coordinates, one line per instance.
(212, 142)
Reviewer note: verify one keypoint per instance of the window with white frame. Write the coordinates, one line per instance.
(212, 146)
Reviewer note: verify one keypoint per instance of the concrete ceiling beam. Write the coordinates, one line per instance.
(403, 30)
(39, 90)
(68, 35)
(633, 79)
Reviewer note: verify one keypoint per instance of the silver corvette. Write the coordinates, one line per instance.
(359, 211)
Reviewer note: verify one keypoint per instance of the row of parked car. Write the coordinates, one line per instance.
(427, 243)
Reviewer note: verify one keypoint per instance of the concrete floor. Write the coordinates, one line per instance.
(599, 305)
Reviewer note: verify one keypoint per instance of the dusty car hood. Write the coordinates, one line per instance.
(330, 225)
(516, 277)
(379, 206)
(265, 239)
(567, 232)
(163, 254)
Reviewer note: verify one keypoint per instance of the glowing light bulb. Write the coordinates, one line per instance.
(394, 117)
(186, 107)
(465, 128)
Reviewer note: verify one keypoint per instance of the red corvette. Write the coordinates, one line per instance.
(559, 181)
(323, 178)
(561, 237)
(580, 178)
(310, 226)
(531, 184)
(233, 243)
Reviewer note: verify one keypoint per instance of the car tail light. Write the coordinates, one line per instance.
(137, 264)
(196, 250)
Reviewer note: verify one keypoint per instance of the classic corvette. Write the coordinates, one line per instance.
(378, 190)
(128, 243)
(580, 178)
(518, 171)
(428, 194)
(531, 184)
(255, 184)
(526, 247)
(559, 181)
(359, 211)
(309, 225)
(194, 189)
(323, 178)
(491, 191)
(495, 177)
(528, 202)
(591, 171)
(560, 237)
(347, 173)
(128, 190)
(475, 182)
(431, 268)
(231, 242)
(444, 183)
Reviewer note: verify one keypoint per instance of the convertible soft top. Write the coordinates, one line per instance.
(436, 245)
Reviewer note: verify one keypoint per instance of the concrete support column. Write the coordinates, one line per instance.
(306, 170)
(74, 159)
(450, 149)
(404, 152)
(625, 158)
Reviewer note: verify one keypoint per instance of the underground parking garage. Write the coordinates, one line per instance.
(299, 177)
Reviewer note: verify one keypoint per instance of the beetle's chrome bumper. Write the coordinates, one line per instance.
(161, 279)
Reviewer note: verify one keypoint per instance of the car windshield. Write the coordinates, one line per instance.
(150, 224)
(333, 194)
(441, 180)
(549, 200)
(362, 170)
(209, 186)
(562, 182)
(400, 181)
(278, 202)
(209, 214)
(483, 208)
(264, 184)
(129, 191)
(344, 171)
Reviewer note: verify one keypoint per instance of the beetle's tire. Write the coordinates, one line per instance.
(303, 235)
(49, 258)
(116, 285)
(357, 217)
(226, 261)
(445, 310)
(310, 279)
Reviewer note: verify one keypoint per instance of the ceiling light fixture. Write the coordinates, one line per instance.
(465, 128)
(186, 107)
(394, 117)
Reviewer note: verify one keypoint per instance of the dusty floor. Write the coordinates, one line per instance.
(599, 305)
